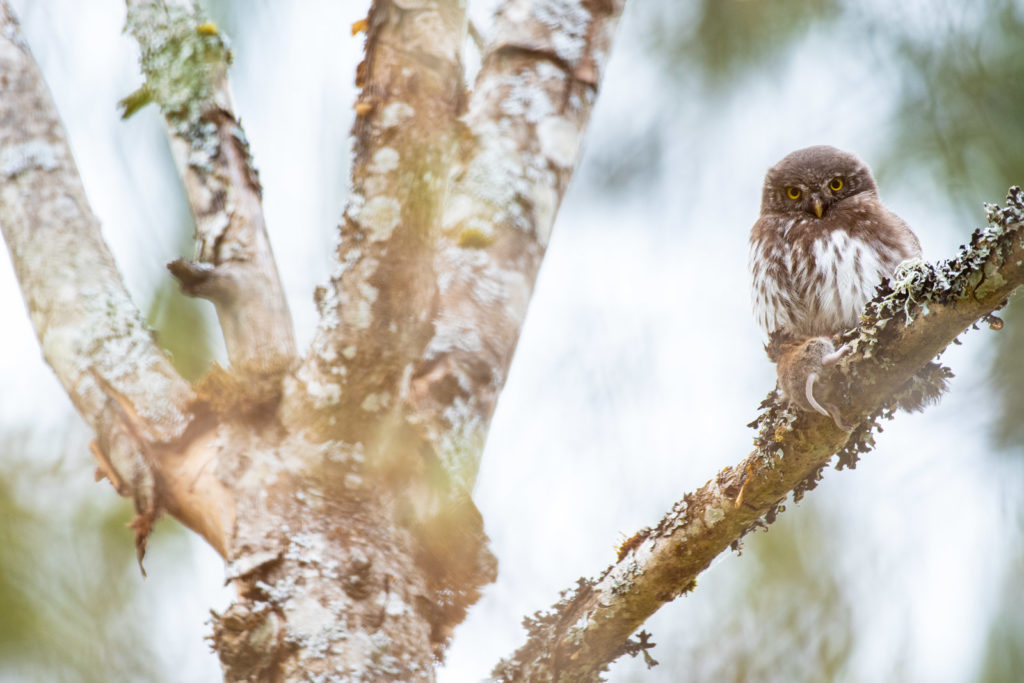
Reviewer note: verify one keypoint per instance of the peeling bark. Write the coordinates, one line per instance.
(922, 311)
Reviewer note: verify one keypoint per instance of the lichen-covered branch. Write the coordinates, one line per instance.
(911, 320)
(91, 333)
(185, 59)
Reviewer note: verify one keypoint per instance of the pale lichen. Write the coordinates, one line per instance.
(559, 140)
(451, 333)
(713, 515)
(183, 63)
(494, 177)
(380, 216)
(384, 160)
(568, 22)
(492, 286)
(461, 445)
(322, 394)
(394, 114)
(545, 207)
(394, 606)
(375, 401)
(357, 307)
(30, 155)
(523, 99)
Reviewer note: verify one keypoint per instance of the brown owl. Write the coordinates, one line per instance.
(822, 244)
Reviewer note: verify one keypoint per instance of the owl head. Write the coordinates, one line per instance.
(810, 180)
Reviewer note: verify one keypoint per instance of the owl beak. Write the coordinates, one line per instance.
(819, 207)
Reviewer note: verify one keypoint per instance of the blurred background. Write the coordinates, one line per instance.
(639, 364)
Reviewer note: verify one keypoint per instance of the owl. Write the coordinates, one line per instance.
(821, 245)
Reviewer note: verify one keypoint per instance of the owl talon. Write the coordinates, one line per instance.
(829, 410)
(837, 355)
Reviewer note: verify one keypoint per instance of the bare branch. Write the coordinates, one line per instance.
(91, 333)
(903, 328)
(376, 312)
(185, 61)
(376, 309)
(439, 250)
(527, 114)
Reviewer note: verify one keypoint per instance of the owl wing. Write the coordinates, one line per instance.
(907, 244)
(771, 270)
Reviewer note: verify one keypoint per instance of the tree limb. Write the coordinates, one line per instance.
(526, 118)
(91, 334)
(375, 312)
(912, 319)
(185, 60)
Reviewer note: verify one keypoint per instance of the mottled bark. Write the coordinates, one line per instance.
(91, 334)
(339, 496)
(328, 579)
(185, 61)
(923, 311)
(439, 246)
(438, 252)
(376, 311)
(344, 510)
(524, 126)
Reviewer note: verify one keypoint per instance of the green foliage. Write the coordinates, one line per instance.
(963, 97)
(68, 576)
(1004, 656)
(20, 625)
(725, 39)
(182, 329)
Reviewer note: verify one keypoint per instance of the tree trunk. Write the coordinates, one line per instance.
(336, 485)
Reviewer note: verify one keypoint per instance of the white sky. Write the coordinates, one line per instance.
(639, 364)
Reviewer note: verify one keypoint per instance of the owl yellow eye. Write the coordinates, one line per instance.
(835, 184)
(793, 192)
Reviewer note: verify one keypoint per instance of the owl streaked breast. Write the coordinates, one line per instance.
(822, 244)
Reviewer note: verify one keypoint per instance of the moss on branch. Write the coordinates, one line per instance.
(184, 59)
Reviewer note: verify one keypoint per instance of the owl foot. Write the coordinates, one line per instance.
(829, 409)
(800, 366)
(836, 356)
